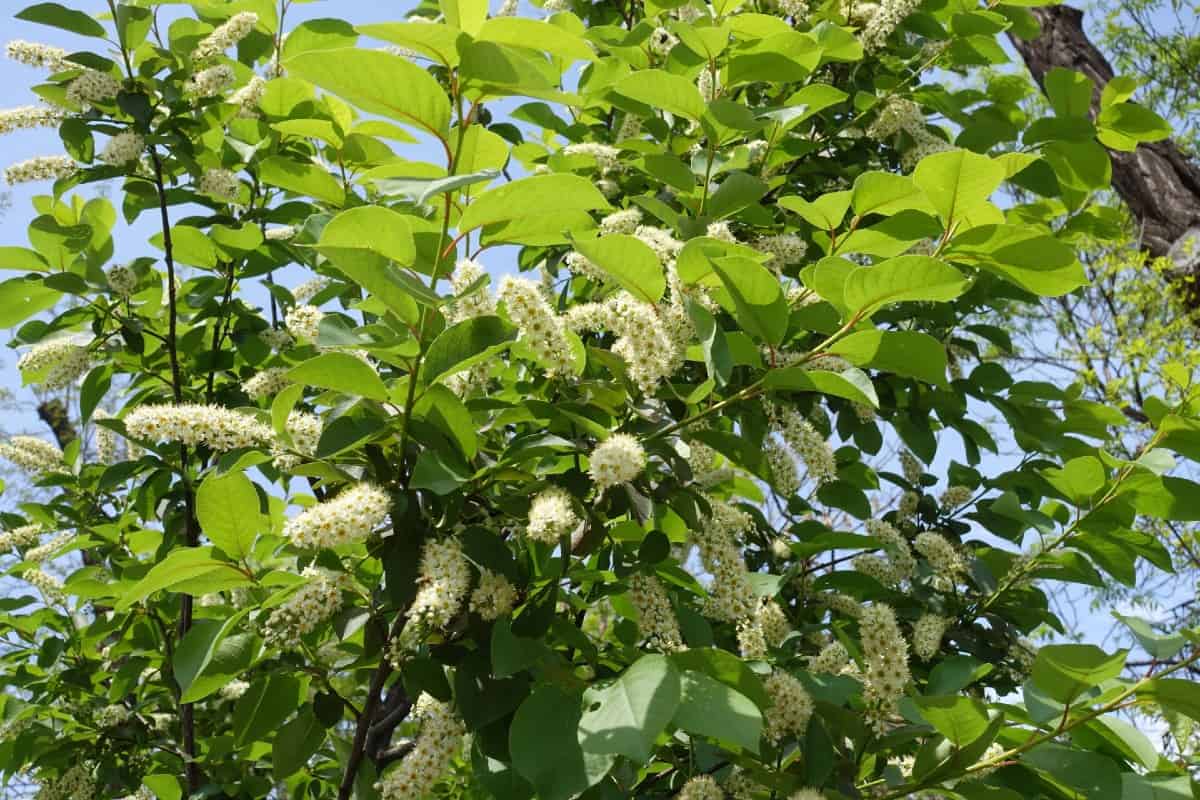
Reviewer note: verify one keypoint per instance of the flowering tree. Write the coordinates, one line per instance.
(392, 532)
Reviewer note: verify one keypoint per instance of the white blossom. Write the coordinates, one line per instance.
(439, 740)
(927, 635)
(40, 168)
(701, 787)
(21, 537)
(220, 184)
(122, 280)
(304, 322)
(30, 117)
(318, 599)
(305, 431)
(50, 586)
(445, 578)
(624, 221)
(656, 617)
(479, 303)
(551, 516)
(494, 597)
(886, 654)
(32, 454)
(193, 424)
(832, 659)
(224, 36)
(35, 54)
(791, 706)
(91, 87)
(661, 42)
(59, 362)
(348, 518)
(126, 146)
(210, 81)
(542, 331)
(618, 459)
(269, 381)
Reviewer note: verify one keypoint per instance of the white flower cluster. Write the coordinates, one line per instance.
(618, 459)
(768, 627)
(664, 245)
(221, 184)
(720, 231)
(142, 793)
(542, 331)
(898, 563)
(944, 559)
(624, 221)
(50, 586)
(807, 793)
(842, 604)
(551, 516)
(445, 578)
(885, 20)
(193, 424)
(35, 54)
(40, 168)
(466, 306)
(122, 280)
(832, 659)
(44, 551)
(211, 81)
(437, 744)
(276, 338)
(605, 155)
(126, 146)
(701, 787)
(61, 362)
(304, 322)
(309, 289)
(784, 248)
(32, 454)
(804, 441)
(752, 643)
(886, 654)
(708, 466)
(577, 318)
(661, 41)
(77, 783)
(729, 595)
(494, 597)
(224, 36)
(248, 97)
(313, 603)
(793, 8)
(508, 8)
(708, 85)
(92, 86)
(280, 234)
(20, 538)
(644, 342)
(112, 716)
(29, 117)
(928, 633)
(348, 518)
(105, 439)
(791, 706)
(906, 509)
(911, 467)
(955, 496)
(899, 114)
(781, 466)
(270, 381)
(656, 617)
(233, 690)
(305, 430)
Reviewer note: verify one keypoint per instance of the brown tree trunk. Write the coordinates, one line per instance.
(1158, 183)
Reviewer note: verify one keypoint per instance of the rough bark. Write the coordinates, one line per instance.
(1158, 183)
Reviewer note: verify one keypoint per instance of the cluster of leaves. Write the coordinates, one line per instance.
(158, 666)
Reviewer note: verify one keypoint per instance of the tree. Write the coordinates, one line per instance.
(399, 533)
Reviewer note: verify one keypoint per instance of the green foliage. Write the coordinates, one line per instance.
(428, 528)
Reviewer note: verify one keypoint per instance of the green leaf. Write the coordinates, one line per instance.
(1173, 694)
(957, 182)
(1069, 92)
(439, 42)
(1124, 126)
(710, 708)
(1078, 480)
(726, 668)
(901, 279)
(265, 705)
(466, 15)
(887, 193)
(545, 747)
(962, 720)
(165, 787)
(1155, 787)
(659, 89)
(1026, 256)
(1161, 646)
(825, 213)
(301, 178)
(530, 197)
(465, 344)
(1065, 671)
(296, 743)
(21, 298)
(1091, 775)
(340, 372)
(511, 653)
(535, 34)
(230, 655)
(59, 16)
(1169, 498)
(184, 565)
(228, 510)
(910, 353)
(758, 302)
(630, 261)
(852, 384)
(378, 83)
(625, 717)
(375, 228)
